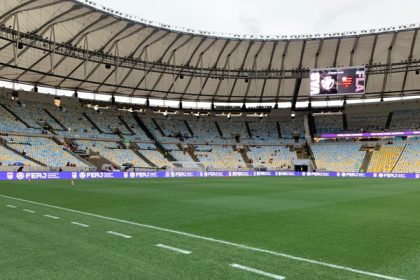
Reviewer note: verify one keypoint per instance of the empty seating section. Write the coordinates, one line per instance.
(134, 126)
(107, 121)
(402, 120)
(8, 158)
(44, 150)
(331, 123)
(372, 123)
(288, 127)
(115, 154)
(155, 157)
(410, 159)
(386, 158)
(173, 127)
(10, 123)
(204, 131)
(273, 158)
(230, 129)
(263, 132)
(220, 158)
(343, 157)
(73, 119)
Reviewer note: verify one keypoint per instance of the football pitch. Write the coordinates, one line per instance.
(211, 228)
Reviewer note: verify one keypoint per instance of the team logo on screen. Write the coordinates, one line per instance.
(82, 175)
(20, 176)
(9, 175)
(74, 175)
(328, 83)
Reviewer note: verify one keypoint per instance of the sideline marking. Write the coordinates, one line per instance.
(119, 234)
(28, 211)
(237, 245)
(79, 224)
(256, 271)
(52, 217)
(11, 206)
(185, 252)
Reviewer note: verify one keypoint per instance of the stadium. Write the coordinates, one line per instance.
(132, 149)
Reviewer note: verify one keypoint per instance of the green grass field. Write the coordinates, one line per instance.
(296, 228)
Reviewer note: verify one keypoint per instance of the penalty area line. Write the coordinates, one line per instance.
(256, 271)
(228, 243)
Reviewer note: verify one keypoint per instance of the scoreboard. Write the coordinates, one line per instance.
(338, 81)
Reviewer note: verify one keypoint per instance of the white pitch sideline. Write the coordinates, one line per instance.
(119, 234)
(256, 271)
(237, 245)
(185, 252)
(28, 211)
(11, 206)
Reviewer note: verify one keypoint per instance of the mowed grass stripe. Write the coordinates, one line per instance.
(233, 244)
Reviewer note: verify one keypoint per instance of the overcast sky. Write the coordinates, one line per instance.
(273, 17)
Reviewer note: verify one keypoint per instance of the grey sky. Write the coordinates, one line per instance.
(273, 17)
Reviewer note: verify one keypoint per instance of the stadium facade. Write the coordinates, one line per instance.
(149, 96)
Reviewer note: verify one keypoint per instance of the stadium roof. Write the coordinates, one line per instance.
(80, 45)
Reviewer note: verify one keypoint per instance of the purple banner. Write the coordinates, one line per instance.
(371, 134)
(29, 176)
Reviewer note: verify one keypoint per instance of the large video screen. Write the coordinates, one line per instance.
(338, 81)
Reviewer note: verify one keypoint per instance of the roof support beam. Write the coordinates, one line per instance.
(254, 67)
(286, 48)
(203, 39)
(372, 54)
(299, 80)
(250, 44)
(388, 62)
(410, 58)
(269, 68)
(131, 55)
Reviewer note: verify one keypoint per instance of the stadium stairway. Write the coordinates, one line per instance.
(389, 120)
(218, 129)
(366, 161)
(158, 127)
(399, 158)
(244, 155)
(92, 122)
(248, 129)
(98, 161)
(80, 158)
(189, 128)
(136, 150)
(345, 124)
(126, 125)
(55, 119)
(190, 151)
(4, 144)
(278, 129)
(16, 116)
(159, 146)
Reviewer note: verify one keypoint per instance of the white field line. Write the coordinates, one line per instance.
(119, 234)
(28, 211)
(51, 217)
(185, 252)
(256, 271)
(11, 206)
(79, 224)
(237, 245)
